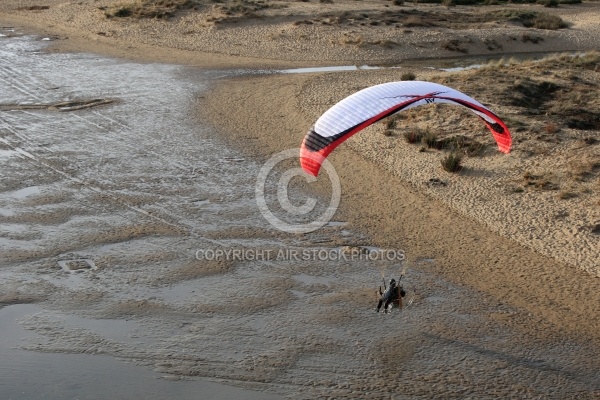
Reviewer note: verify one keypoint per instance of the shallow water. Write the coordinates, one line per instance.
(447, 64)
(29, 375)
(68, 178)
(105, 210)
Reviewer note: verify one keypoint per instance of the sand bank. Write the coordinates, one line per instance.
(305, 33)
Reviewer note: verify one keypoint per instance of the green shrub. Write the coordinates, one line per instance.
(413, 136)
(121, 12)
(408, 76)
(452, 162)
(532, 19)
(548, 3)
(430, 139)
(390, 123)
(549, 21)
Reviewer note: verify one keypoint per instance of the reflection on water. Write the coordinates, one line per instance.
(36, 375)
(328, 69)
(445, 64)
(22, 193)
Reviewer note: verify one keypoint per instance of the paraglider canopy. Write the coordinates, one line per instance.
(365, 107)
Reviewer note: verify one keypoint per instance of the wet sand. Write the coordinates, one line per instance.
(491, 317)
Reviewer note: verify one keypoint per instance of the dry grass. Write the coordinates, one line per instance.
(529, 19)
(158, 9)
(430, 139)
(240, 10)
(583, 167)
(567, 194)
(454, 45)
(229, 10)
(413, 136)
(543, 181)
(388, 44)
(546, 95)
